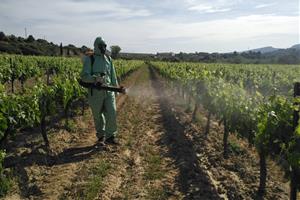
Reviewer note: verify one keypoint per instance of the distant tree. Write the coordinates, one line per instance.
(237, 60)
(83, 49)
(9, 48)
(2, 36)
(42, 41)
(180, 55)
(115, 50)
(13, 38)
(30, 50)
(61, 49)
(30, 38)
(288, 59)
(71, 46)
(20, 39)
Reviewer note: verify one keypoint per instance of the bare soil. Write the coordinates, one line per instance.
(162, 155)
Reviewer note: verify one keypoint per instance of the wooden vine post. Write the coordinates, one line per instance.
(295, 174)
(199, 87)
(12, 67)
(82, 106)
(43, 123)
(225, 138)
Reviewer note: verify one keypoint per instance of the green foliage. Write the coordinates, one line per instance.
(115, 51)
(283, 56)
(26, 109)
(255, 100)
(2, 36)
(30, 46)
(5, 182)
(275, 124)
(235, 148)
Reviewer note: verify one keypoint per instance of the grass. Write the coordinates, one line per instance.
(153, 170)
(96, 184)
(5, 181)
(156, 193)
(5, 185)
(129, 141)
(71, 126)
(235, 148)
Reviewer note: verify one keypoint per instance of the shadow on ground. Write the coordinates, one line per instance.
(192, 181)
(41, 157)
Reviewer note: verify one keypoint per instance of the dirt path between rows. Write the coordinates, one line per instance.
(162, 155)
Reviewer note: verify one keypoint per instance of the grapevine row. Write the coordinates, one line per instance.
(264, 118)
(30, 109)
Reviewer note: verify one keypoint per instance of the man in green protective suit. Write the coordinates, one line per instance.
(99, 68)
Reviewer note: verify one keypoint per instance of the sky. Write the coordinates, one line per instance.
(157, 25)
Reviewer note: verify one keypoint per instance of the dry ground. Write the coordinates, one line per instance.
(162, 155)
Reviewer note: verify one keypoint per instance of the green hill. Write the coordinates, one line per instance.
(31, 46)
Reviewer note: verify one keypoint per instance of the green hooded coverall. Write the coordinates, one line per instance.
(102, 103)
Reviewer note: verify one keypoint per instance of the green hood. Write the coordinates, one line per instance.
(98, 41)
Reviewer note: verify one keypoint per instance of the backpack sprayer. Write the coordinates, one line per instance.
(100, 84)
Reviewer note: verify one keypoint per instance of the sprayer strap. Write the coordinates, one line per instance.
(92, 66)
(92, 63)
(108, 57)
(92, 69)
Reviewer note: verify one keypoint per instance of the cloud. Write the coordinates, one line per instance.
(211, 6)
(208, 9)
(32, 9)
(264, 5)
(144, 26)
(106, 9)
(230, 29)
(223, 34)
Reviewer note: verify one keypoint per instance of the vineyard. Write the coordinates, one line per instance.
(187, 131)
(30, 106)
(255, 102)
(55, 90)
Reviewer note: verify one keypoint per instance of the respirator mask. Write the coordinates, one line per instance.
(102, 48)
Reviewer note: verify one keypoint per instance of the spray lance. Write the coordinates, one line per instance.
(100, 85)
